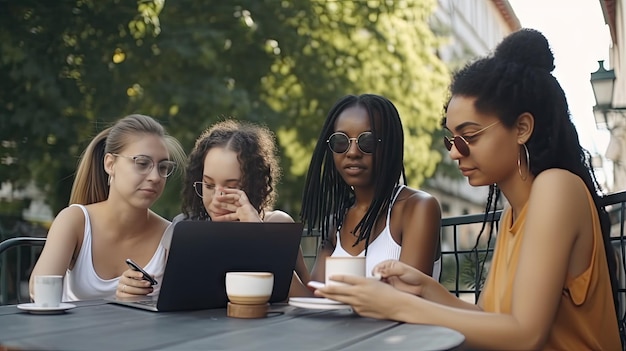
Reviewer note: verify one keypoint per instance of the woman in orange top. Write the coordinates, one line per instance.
(552, 280)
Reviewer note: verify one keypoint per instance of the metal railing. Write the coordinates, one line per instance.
(615, 205)
(452, 234)
(463, 257)
(460, 262)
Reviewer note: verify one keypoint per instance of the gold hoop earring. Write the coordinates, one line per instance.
(519, 163)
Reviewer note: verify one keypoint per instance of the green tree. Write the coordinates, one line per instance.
(353, 47)
(59, 84)
(189, 63)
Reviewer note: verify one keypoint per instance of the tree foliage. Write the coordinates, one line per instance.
(189, 63)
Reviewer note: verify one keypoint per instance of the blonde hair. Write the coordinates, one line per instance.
(91, 182)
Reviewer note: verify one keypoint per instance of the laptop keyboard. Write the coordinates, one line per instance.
(152, 303)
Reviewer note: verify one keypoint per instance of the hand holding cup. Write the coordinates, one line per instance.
(344, 266)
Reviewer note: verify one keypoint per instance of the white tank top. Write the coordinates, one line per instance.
(384, 247)
(83, 283)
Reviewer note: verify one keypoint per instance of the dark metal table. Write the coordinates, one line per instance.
(98, 325)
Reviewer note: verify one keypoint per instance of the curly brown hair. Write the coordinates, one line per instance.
(256, 152)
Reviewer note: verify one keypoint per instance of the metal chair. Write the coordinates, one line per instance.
(615, 205)
(7, 278)
(21, 241)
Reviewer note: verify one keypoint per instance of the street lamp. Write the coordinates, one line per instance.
(602, 83)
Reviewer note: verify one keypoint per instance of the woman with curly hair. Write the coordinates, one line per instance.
(231, 175)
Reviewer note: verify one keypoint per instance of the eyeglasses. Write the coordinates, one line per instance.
(197, 186)
(461, 143)
(339, 142)
(145, 164)
(200, 186)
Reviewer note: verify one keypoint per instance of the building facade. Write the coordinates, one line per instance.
(615, 119)
(473, 29)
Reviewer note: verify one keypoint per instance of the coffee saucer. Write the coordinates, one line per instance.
(34, 309)
(317, 303)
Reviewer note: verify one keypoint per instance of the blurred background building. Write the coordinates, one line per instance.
(609, 87)
(473, 29)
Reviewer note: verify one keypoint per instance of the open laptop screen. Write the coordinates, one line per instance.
(202, 252)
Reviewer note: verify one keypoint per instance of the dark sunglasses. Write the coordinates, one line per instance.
(461, 143)
(339, 142)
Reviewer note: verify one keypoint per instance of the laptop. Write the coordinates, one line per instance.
(202, 252)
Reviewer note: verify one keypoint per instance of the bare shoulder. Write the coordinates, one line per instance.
(559, 197)
(157, 218)
(560, 187)
(69, 222)
(277, 216)
(71, 215)
(417, 199)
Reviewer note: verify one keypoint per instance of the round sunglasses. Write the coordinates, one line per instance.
(461, 143)
(339, 142)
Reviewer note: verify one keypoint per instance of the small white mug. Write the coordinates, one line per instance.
(48, 290)
(344, 266)
(249, 288)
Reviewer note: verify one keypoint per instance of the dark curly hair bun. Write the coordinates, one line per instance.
(526, 47)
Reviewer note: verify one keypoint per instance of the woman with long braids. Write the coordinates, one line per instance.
(551, 284)
(355, 194)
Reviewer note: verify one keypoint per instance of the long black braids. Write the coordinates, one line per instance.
(326, 195)
(489, 217)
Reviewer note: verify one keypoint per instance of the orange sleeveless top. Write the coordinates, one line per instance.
(586, 318)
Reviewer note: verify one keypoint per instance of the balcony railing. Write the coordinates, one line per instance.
(460, 268)
(462, 258)
(464, 255)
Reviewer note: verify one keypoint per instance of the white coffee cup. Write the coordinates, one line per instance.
(344, 266)
(249, 288)
(48, 290)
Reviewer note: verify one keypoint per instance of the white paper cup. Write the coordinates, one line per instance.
(48, 290)
(344, 266)
(249, 288)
